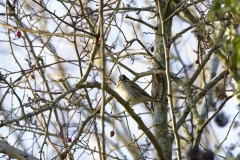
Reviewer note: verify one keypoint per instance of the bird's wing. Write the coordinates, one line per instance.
(137, 88)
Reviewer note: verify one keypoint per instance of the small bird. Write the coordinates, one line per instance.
(132, 93)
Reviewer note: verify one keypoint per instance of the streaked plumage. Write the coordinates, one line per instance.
(131, 92)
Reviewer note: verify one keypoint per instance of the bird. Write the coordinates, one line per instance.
(133, 93)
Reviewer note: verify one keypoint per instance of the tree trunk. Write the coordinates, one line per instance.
(159, 88)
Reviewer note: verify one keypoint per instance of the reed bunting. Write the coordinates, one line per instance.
(132, 93)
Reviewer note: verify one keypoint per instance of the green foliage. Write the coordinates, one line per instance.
(228, 10)
(236, 51)
(220, 9)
